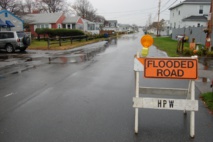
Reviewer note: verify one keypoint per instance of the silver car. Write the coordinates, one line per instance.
(12, 40)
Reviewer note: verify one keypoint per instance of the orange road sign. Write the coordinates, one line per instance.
(173, 68)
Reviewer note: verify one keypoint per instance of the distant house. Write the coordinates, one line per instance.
(59, 20)
(44, 20)
(10, 22)
(74, 22)
(189, 13)
(91, 27)
(111, 25)
(126, 28)
(163, 30)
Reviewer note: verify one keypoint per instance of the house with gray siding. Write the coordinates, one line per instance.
(10, 22)
(73, 22)
(189, 13)
(111, 25)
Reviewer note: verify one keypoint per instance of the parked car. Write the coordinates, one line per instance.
(12, 40)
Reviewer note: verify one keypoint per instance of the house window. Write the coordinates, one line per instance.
(179, 12)
(59, 26)
(201, 9)
(174, 25)
(5, 14)
(73, 26)
(42, 26)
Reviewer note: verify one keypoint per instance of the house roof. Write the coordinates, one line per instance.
(124, 25)
(43, 18)
(112, 21)
(3, 11)
(197, 0)
(87, 21)
(191, 2)
(73, 19)
(196, 18)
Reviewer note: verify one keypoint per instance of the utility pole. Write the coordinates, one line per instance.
(158, 25)
(210, 26)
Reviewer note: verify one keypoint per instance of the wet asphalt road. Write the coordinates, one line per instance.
(89, 99)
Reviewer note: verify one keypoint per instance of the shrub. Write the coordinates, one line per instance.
(210, 54)
(187, 52)
(199, 53)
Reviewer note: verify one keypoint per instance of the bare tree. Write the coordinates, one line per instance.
(160, 26)
(29, 5)
(17, 7)
(6, 4)
(10, 5)
(50, 6)
(84, 9)
(99, 18)
(149, 22)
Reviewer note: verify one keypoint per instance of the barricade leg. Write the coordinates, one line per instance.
(188, 94)
(192, 114)
(137, 96)
(136, 120)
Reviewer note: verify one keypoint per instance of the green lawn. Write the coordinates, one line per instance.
(208, 99)
(168, 45)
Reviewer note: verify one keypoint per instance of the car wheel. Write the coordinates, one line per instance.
(23, 49)
(9, 48)
(26, 40)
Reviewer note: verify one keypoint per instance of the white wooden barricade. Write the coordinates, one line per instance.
(188, 104)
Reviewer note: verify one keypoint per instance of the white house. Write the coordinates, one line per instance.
(189, 13)
(111, 25)
(91, 27)
(164, 31)
(73, 22)
(125, 28)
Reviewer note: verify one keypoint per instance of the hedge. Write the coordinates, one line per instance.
(59, 32)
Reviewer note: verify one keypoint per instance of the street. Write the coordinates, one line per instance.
(86, 95)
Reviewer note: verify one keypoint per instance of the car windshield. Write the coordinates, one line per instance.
(20, 34)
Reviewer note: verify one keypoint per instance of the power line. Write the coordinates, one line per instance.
(165, 3)
(140, 10)
(169, 6)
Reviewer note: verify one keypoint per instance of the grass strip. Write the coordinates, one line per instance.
(42, 44)
(168, 45)
(208, 99)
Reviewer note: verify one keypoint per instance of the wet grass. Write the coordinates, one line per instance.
(208, 99)
(168, 45)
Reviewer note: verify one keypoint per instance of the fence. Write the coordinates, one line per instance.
(61, 40)
(192, 32)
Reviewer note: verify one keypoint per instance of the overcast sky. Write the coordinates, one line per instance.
(132, 11)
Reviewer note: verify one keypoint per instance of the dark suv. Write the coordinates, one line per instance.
(12, 40)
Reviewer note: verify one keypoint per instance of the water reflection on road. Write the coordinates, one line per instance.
(18, 62)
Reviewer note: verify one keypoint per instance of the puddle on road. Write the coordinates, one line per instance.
(18, 62)
(207, 63)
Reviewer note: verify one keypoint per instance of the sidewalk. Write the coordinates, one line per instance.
(204, 87)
